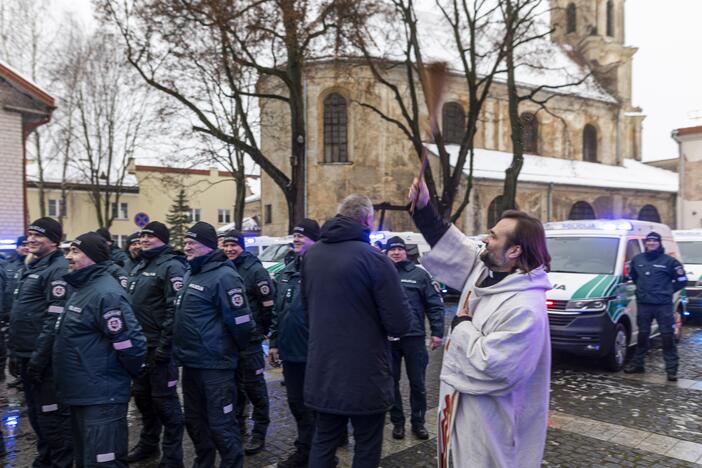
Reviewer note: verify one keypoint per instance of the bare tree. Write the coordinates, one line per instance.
(477, 64)
(268, 40)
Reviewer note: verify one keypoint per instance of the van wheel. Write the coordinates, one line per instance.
(614, 361)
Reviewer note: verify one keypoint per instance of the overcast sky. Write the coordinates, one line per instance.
(667, 82)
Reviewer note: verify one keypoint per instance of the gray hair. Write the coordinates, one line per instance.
(356, 206)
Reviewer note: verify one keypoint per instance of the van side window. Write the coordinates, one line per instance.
(632, 249)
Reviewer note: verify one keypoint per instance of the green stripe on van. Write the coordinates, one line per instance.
(584, 290)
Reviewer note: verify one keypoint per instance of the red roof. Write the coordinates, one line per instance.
(30, 88)
(689, 130)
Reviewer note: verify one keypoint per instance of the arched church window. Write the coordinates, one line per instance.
(494, 211)
(590, 143)
(610, 18)
(453, 122)
(530, 133)
(571, 18)
(335, 129)
(581, 210)
(649, 213)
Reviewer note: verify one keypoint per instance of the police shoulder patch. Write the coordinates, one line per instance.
(264, 288)
(437, 287)
(236, 296)
(58, 289)
(176, 282)
(124, 281)
(114, 322)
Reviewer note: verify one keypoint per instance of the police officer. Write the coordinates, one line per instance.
(12, 268)
(4, 317)
(98, 346)
(288, 341)
(212, 323)
(133, 249)
(250, 380)
(657, 277)
(117, 255)
(153, 286)
(39, 300)
(424, 297)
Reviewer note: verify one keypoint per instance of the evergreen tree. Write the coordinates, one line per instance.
(178, 219)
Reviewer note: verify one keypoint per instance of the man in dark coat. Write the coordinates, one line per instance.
(117, 255)
(425, 299)
(657, 277)
(13, 268)
(133, 249)
(98, 348)
(39, 300)
(153, 286)
(260, 294)
(355, 305)
(288, 341)
(212, 325)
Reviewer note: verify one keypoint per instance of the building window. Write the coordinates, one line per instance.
(571, 18)
(57, 208)
(610, 18)
(581, 210)
(453, 122)
(530, 133)
(119, 240)
(194, 215)
(224, 216)
(267, 214)
(649, 213)
(335, 129)
(590, 143)
(120, 210)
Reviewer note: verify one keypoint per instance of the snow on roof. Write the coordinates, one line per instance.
(632, 174)
(53, 171)
(48, 98)
(540, 62)
(254, 184)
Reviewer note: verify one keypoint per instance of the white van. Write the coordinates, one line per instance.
(690, 244)
(592, 308)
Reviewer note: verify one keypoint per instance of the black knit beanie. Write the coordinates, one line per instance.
(157, 229)
(395, 242)
(48, 227)
(93, 245)
(234, 236)
(308, 228)
(204, 233)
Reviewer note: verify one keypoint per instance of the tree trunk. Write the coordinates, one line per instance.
(240, 198)
(40, 175)
(295, 195)
(509, 194)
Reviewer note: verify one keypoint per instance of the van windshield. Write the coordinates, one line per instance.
(691, 252)
(274, 253)
(592, 255)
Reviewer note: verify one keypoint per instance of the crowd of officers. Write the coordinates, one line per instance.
(89, 328)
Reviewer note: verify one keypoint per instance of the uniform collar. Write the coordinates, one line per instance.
(45, 261)
(80, 278)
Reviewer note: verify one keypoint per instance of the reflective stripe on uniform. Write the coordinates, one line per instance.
(228, 409)
(126, 344)
(55, 309)
(105, 457)
(242, 319)
(49, 408)
(172, 383)
(267, 303)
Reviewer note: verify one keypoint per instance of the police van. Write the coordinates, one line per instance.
(592, 307)
(690, 243)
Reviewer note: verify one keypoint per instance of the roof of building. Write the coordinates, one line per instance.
(633, 175)
(25, 84)
(688, 131)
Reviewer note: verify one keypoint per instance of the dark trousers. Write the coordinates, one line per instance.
(663, 314)
(156, 397)
(50, 420)
(209, 396)
(367, 433)
(3, 350)
(251, 385)
(294, 374)
(100, 435)
(414, 351)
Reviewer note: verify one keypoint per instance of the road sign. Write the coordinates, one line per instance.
(141, 219)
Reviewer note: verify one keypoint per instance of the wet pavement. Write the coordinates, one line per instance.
(598, 418)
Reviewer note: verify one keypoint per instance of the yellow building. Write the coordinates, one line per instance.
(147, 194)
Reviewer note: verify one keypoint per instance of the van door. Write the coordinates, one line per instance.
(633, 248)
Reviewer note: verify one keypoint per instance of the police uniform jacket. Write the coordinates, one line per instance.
(118, 273)
(4, 313)
(130, 264)
(260, 292)
(657, 276)
(153, 286)
(424, 296)
(212, 319)
(118, 255)
(354, 303)
(38, 301)
(99, 345)
(13, 269)
(289, 331)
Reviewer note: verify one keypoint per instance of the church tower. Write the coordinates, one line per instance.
(595, 28)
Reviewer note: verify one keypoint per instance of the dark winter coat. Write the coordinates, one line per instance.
(260, 292)
(38, 301)
(118, 273)
(13, 268)
(289, 331)
(657, 276)
(99, 345)
(4, 312)
(153, 286)
(119, 256)
(354, 304)
(424, 297)
(212, 321)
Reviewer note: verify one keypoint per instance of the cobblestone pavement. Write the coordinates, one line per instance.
(580, 393)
